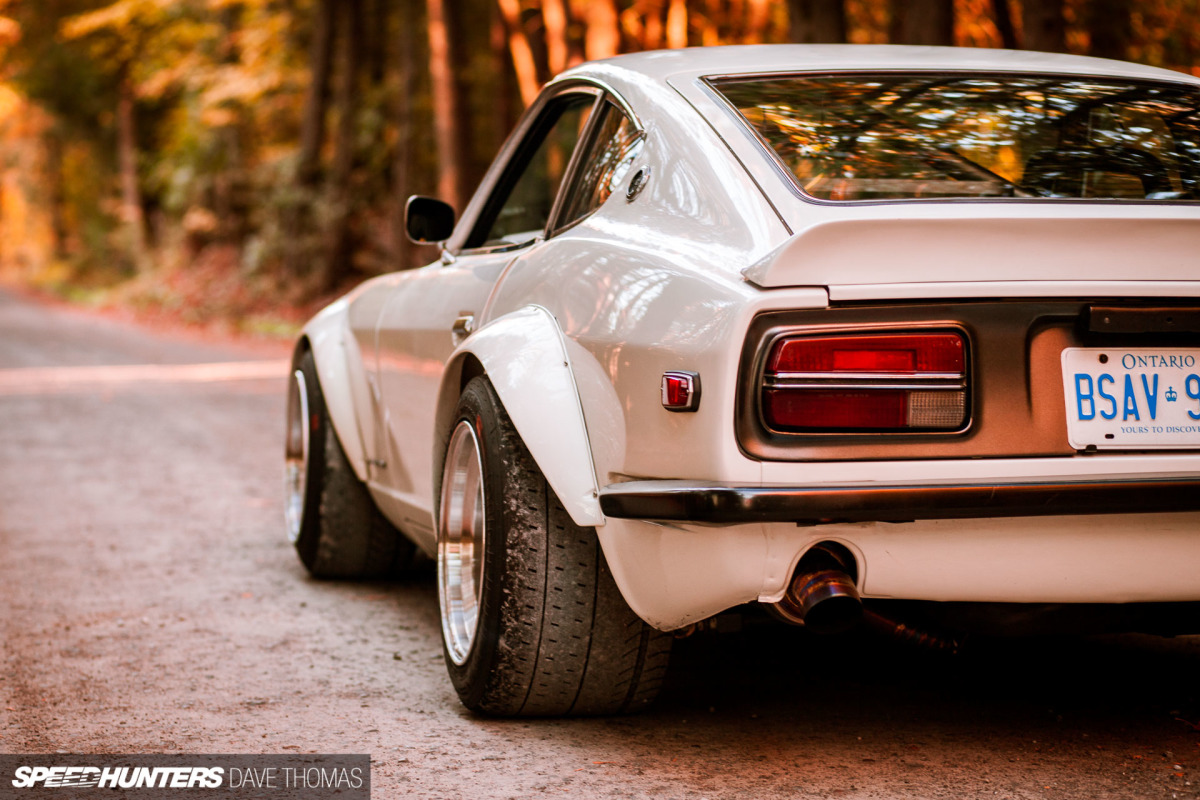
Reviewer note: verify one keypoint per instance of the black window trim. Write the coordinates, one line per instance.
(584, 149)
(515, 148)
(531, 138)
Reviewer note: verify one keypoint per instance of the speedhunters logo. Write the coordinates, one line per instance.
(119, 777)
(150, 777)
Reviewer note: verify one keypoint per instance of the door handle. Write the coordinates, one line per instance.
(463, 326)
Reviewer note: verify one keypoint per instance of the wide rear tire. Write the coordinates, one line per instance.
(533, 623)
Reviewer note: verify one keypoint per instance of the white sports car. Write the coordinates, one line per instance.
(903, 335)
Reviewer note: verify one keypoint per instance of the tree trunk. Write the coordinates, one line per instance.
(603, 36)
(375, 37)
(58, 201)
(1109, 23)
(312, 124)
(758, 17)
(652, 28)
(1044, 24)
(522, 53)
(347, 94)
(227, 186)
(1002, 13)
(464, 37)
(445, 113)
(923, 22)
(724, 21)
(406, 44)
(708, 22)
(817, 21)
(295, 216)
(554, 15)
(503, 114)
(339, 246)
(677, 24)
(132, 217)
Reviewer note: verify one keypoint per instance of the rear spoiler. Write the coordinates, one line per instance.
(1048, 247)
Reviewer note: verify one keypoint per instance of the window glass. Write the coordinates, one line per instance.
(886, 137)
(520, 207)
(615, 148)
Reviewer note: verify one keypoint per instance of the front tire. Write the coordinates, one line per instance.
(533, 623)
(331, 519)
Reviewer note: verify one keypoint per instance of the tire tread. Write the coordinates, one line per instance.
(567, 642)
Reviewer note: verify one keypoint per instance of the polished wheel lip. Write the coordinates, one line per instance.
(295, 475)
(461, 542)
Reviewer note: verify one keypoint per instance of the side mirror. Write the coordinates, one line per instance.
(427, 219)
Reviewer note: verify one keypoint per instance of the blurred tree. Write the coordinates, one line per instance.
(1108, 24)
(312, 126)
(62, 80)
(758, 22)
(554, 16)
(922, 22)
(603, 32)
(677, 24)
(1002, 12)
(403, 108)
(286, 135)
(522, 50)
(814, 21)
(1044, 26)
(471, 82)
(1166, 32)
(338, 243)
(127, 38)
(642, 24)
(445, 104)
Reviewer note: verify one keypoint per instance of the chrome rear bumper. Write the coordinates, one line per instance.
(691, 501)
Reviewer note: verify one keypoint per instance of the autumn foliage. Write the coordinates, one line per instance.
(275, 141)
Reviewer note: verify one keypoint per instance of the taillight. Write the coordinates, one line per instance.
(866, 382)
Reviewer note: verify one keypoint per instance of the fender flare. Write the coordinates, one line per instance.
(328, 336)
(524, 355)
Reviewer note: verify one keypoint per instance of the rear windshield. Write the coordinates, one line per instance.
(901, 137)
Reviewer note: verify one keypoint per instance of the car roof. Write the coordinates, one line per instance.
(699, 62)
(904, 249)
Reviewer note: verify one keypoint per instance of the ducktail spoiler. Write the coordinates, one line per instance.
(1161, 245)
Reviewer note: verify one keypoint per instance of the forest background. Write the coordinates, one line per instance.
(237, 159)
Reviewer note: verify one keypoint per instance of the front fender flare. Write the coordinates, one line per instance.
(525, 357)
(338, 366)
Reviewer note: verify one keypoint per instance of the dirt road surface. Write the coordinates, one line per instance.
(149, 603)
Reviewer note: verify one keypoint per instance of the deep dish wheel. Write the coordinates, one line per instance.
(461, 543)
(533, 623)
(336, 528)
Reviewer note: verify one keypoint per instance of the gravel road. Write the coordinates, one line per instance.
(149, 602)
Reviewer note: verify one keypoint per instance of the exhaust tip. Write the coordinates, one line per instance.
(826, 601)
(822, 595)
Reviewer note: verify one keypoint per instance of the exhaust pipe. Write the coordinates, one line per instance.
(822, 595)
(906, 634)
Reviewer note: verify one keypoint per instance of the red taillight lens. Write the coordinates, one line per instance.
(867, 382)
(786, 408)
(905, 353)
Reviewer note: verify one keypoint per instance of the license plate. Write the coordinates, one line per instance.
(1135, 398)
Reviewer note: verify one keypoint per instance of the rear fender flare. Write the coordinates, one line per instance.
(524, 355)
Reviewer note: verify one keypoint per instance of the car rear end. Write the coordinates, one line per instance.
(994, 421)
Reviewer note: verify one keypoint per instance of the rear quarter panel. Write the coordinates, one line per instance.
(651, 285)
